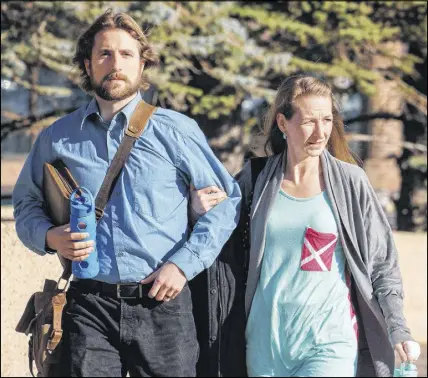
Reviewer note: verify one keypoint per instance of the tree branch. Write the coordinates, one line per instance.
(371, 117)
(27, 122)
(370, 138)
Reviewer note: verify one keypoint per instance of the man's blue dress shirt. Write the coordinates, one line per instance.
(145, 223)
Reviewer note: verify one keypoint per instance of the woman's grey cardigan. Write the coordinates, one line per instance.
(368, 245)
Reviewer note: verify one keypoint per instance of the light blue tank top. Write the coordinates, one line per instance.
(302, 306)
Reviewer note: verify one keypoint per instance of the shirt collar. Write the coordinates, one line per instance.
(130, 107)
(92, 108)
(126, 111)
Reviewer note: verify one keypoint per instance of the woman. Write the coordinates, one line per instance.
(323, 294)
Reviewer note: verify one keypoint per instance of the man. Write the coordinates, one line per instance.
(145, 248)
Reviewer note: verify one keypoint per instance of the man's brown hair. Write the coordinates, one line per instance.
(108, 21)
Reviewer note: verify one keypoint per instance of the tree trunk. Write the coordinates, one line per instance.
(34, 80)
(381, 163)
(228, 147)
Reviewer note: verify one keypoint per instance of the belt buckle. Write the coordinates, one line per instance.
(119, 296)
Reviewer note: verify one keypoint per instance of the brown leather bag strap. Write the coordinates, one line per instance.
(136, 126)
(66, 273)
(58, 303)
(139, 119)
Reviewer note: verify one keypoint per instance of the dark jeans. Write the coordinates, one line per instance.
(109, 337)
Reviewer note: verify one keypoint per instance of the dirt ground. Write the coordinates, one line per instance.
(23, 272)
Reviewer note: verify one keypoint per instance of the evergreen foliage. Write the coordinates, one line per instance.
(214, 54)
(218, 59)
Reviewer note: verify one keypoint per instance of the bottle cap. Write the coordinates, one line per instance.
(81, 202)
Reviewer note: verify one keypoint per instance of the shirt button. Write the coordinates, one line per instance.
(111, 134)
(120, 254)
(213, 291)
(213, 338)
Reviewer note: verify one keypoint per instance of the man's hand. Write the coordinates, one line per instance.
(68, 244)
(169, 280)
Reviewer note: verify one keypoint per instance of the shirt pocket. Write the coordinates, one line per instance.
(317, 250)
(154, 195)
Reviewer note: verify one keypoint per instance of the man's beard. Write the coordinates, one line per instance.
(115, 93)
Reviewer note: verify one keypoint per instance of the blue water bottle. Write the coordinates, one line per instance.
(82, 219)
(406, 369)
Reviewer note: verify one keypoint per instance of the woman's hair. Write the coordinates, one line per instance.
(290, 90)
(108, 21)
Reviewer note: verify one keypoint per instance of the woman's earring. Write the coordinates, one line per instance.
(284, 136)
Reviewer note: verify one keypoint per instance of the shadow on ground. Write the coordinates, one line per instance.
(422, 362)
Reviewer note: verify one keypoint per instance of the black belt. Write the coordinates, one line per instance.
(123, 290)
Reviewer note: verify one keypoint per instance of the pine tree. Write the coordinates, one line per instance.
(217, 57)
(214, 55)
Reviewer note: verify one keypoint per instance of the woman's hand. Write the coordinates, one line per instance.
(408, 351)
(203, 200)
